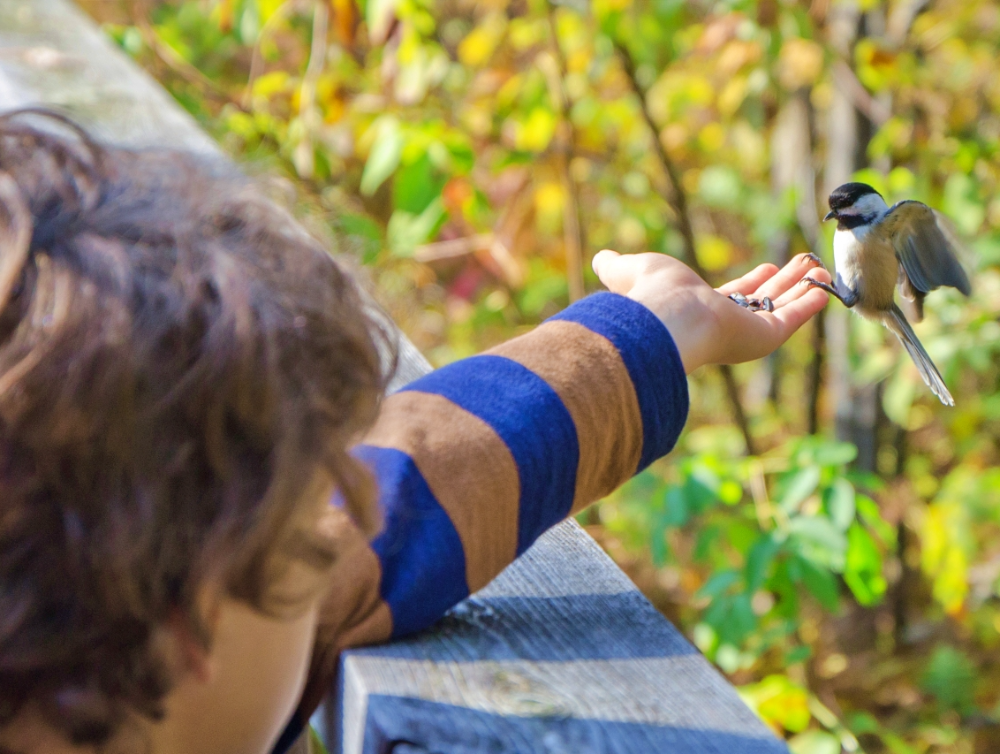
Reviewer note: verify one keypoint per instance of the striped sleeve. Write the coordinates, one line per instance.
(476, 460)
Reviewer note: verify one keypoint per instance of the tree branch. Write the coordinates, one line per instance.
(304, 155)
(673, 190)
(565, 147)
(173, 60)
(673, 193)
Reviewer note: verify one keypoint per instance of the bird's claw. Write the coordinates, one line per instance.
(815, 260)
(755, 305)
(814, 283)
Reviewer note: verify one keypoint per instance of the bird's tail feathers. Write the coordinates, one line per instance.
(896, 322)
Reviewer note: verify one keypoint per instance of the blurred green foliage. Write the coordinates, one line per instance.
(473, 156)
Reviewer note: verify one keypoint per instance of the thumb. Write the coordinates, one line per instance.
(613, 271)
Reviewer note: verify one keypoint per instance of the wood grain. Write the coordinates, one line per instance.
(560, 653)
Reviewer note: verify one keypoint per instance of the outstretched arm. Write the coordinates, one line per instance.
(476, 460)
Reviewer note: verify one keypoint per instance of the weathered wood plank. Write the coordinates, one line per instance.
(560, 653)
(53, 54)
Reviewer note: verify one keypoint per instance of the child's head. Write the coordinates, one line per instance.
(179, 364)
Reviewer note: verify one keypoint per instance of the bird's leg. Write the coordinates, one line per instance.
(848, 297)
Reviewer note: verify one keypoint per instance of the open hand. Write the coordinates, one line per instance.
(706, 325)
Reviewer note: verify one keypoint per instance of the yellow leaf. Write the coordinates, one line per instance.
(267, 8)
(779, 703)
(477, 48)
(508, 92)
(699, 90)
(800, 63)
(944, 534)
(712, 137)
(736, 54)
(525, 33)
(534, 134)
(550, 199)
(732, 95)
(952, 583)
(604, 7)
(269, 84)
(631, 233)
(714, 253)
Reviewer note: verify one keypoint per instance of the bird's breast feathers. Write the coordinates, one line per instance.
(846, 245)
(866, 263)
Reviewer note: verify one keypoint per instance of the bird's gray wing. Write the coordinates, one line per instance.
(927, 255)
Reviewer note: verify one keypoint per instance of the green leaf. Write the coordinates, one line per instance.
(730, 492)
(871, 514)
(835, 453)
(798, 654)
(759, 561)
(384, 156)
(742, 621)
(962, 203)
(819, 540)
(541, 293)
(898, 396)
(719, 186)
(700, 489)
(814, 742)
(820, 583)
(718, 583)
(863, 567)
(840, 503)
(675, 508)
(417, 185)
(406, 231)
(862, 722)
(950, 677)
(798, 486)
(732, 617)
(658, 549)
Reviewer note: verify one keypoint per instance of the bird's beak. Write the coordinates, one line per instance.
(830, 215)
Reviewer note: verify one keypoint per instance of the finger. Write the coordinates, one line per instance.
(786, 277)
(800, 289)
(796, 313)
(749, 282)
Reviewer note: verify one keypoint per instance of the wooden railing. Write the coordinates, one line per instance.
(560, 654)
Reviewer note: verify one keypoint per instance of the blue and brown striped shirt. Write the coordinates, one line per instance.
(476, 460)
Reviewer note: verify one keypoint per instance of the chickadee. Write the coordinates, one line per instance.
(876, 247)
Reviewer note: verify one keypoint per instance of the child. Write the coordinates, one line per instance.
(182, 375)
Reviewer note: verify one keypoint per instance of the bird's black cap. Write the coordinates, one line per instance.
(846, 195)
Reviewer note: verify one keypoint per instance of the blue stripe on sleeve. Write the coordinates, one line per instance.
(528, 415)
(423, 563)
(652, 361)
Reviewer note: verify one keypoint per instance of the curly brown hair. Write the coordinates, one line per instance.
(178, 360)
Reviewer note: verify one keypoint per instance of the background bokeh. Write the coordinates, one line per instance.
(826, 532)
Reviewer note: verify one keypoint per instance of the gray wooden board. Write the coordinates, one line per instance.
(560, 654)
